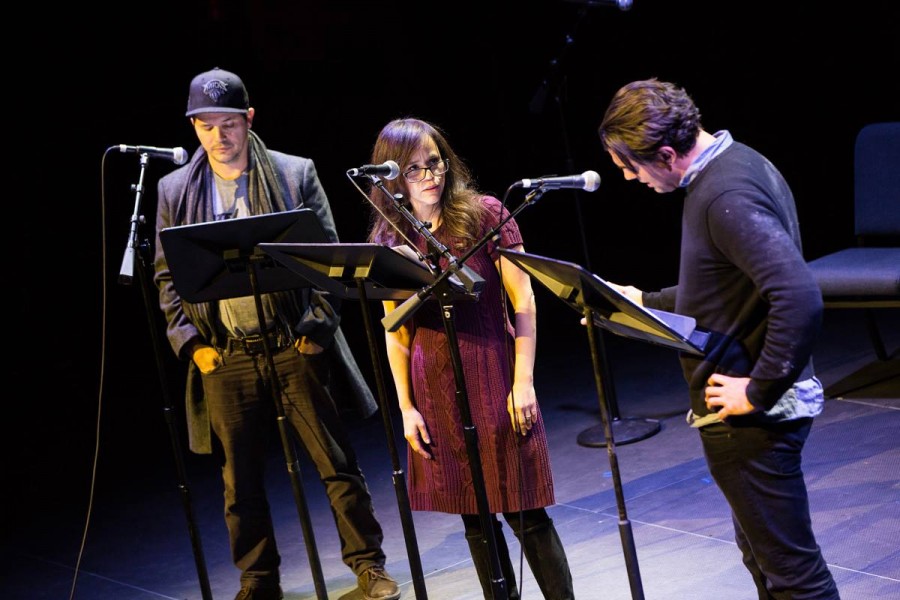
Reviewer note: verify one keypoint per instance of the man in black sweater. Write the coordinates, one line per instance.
(743, 278)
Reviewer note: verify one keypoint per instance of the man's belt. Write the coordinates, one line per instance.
(256, 344)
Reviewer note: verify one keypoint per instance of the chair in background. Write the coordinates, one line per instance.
(868, 276)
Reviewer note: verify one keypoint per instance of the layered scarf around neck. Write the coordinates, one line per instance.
(266, 196)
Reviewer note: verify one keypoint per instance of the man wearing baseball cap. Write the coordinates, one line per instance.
(230, 412)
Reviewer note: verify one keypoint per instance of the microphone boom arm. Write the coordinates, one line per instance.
(399, 315)
(468, 282)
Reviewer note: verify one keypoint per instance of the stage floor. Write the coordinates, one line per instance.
(133, 541)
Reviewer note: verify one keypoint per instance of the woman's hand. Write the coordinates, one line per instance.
(521, 404)
(416, 432)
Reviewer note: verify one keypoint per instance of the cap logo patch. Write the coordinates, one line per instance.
(215, 89)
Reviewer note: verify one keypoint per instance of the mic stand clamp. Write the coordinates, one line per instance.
(470, 278)
(393, 321)
(461, 279)
(126, 272)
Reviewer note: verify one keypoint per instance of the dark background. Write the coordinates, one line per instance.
(795, 80)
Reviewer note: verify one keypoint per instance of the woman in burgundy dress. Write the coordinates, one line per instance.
(497, 362)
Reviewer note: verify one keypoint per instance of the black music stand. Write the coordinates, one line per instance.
(603, 306)
(617, 314)
(366, 272)
(211, 261)
(353, 271)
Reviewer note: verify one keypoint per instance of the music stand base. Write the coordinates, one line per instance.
(625, 431)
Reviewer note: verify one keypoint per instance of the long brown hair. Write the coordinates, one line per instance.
(461, 206)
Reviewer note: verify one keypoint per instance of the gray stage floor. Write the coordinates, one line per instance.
(137, 544)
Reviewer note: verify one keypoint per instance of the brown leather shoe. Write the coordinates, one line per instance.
(260, 593)
(376, 584)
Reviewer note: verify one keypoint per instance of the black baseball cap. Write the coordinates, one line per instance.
(217, 91)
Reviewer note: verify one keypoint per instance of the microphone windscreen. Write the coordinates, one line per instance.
(591, 180)
(394, 170)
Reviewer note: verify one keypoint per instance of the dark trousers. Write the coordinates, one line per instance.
(758, 469)
(243, 416)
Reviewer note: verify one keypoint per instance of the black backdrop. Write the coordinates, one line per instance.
(517, 97)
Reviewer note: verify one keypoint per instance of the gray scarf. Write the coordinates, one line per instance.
(195, 204)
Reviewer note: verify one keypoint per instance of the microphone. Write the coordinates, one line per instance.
(388, 169)
(177, 155)
(620, 4)
(588, 181)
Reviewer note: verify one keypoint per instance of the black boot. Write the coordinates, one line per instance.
(547, 558)
(481, 557)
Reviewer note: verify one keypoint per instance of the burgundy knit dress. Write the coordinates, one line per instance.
(516, 469)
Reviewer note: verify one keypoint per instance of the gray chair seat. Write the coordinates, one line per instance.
(859, 273)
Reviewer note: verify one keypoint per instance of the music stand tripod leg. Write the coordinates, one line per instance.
(398, 476)
(625, 533)
(290, 454)
(498, 582)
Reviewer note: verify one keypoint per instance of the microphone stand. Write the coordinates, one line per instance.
(536, 106)
(629, 430)
(445, 291)
(125, 278)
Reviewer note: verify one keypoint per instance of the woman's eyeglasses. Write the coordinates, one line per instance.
(417, 174)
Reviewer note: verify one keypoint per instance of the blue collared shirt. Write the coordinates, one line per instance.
(723, 140)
